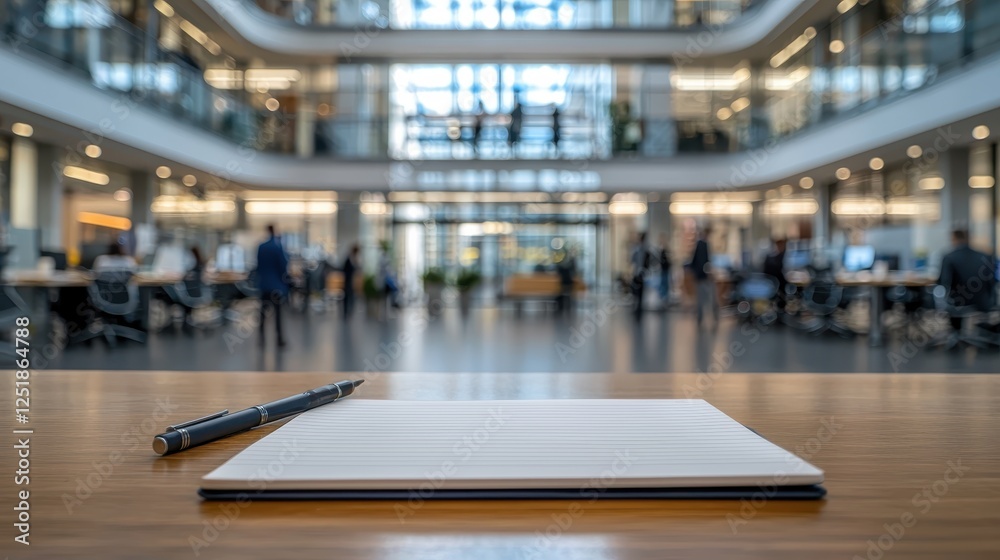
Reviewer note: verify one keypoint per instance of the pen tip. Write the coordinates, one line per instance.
(359, 382)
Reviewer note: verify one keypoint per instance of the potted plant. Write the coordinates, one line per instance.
(434, 282)
(372, 295)
(466, 280)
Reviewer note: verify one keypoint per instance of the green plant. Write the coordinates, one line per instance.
(467, 279)
(433, 276)
(369, 288)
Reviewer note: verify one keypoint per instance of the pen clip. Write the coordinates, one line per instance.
(189, 423)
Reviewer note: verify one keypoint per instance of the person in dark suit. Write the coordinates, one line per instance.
(350, 269)
(272, 281)
(968, 275)
(774, 266)
(701, 269)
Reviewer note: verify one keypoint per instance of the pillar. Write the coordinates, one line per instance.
(348, 225)
(23, 234)
(659, 132)
(50, 199)
(144, 190)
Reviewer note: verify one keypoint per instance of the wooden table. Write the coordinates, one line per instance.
(893, 436)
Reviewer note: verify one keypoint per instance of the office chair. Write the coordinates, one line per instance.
(964, 336)
(755, 296)
(116, 299)
(822, 300)
(192, 294)
(11, 307)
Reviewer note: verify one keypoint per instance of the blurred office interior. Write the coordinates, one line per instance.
(498, 185)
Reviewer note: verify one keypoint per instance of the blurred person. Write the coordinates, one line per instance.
(701, 269)
(968, 275)
(567, 277)
(172, 257)
(193, 277)
(774, 266)
(665, 266)
(351, 266)
(385, 278)
(272, 281)
(114, 259)
(514, 127)
(639, 259)
(477, 126)
(556, 128)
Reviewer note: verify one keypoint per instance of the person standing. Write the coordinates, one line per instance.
(350, 268)
(665, 265)
(968, 275)
(514, 128)
(556, 129)
(272, 282)
(640, 266)
(701, 269)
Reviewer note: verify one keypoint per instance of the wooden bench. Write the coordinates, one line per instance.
(538, 287)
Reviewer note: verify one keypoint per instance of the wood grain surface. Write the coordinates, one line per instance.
(98, 491)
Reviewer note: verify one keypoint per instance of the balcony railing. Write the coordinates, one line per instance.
(826, 78)
(509, 14)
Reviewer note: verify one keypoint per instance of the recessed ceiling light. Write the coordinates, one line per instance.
(914, 151)
(785, 190)
(843, 173)
(876, 164)
(724, 113)
(806, 182)
(189, 180)
(93, 150)
(272, 104)
(123, 195)
(22, 129)
(981, 132)
(163, 172)
(981, 182)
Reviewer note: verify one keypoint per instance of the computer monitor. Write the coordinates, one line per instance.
(797, 259)
(859, 257)
(722, 262)
(891, 261)
(58, 257)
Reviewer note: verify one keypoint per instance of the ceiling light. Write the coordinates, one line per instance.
(837, 46)
(793, 48)
(858, 206)
(164, 8)
(718, 208)
(163, 172)
(627, 208)
(272, 104)
(914, 151)
(724, 113)
(374, 208)
(104, 220)
(93, 150)
(843, 173)
(845, 5)
(785, 190)
(81, 174)
(123, 195)
(806, 183)
(189, 180)
(981, 182)
(291, 207)
(740, 104)
(166, 204)
(876, 164)
(791, 207)
(981, 132)
(22, 129)
(931, 183)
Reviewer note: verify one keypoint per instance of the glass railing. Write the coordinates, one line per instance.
(509, 14)
(114, 55)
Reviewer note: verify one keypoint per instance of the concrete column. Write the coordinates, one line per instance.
(821, 192)
(23, 234)
(50, 198)
(144, 189)
(760, 123)
(348, 226)
(659, 133)
(954, 168)
(659, 219)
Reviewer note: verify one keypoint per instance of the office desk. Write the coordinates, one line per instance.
(893, 435)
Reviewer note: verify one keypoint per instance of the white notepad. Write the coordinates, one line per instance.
(359, 444)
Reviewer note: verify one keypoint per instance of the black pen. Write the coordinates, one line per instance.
(221, 424)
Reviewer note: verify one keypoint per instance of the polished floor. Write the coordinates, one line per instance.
(601, 338)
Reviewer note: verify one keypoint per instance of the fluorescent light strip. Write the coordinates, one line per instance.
(104, 220)
(86, 175)
(291, 207)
